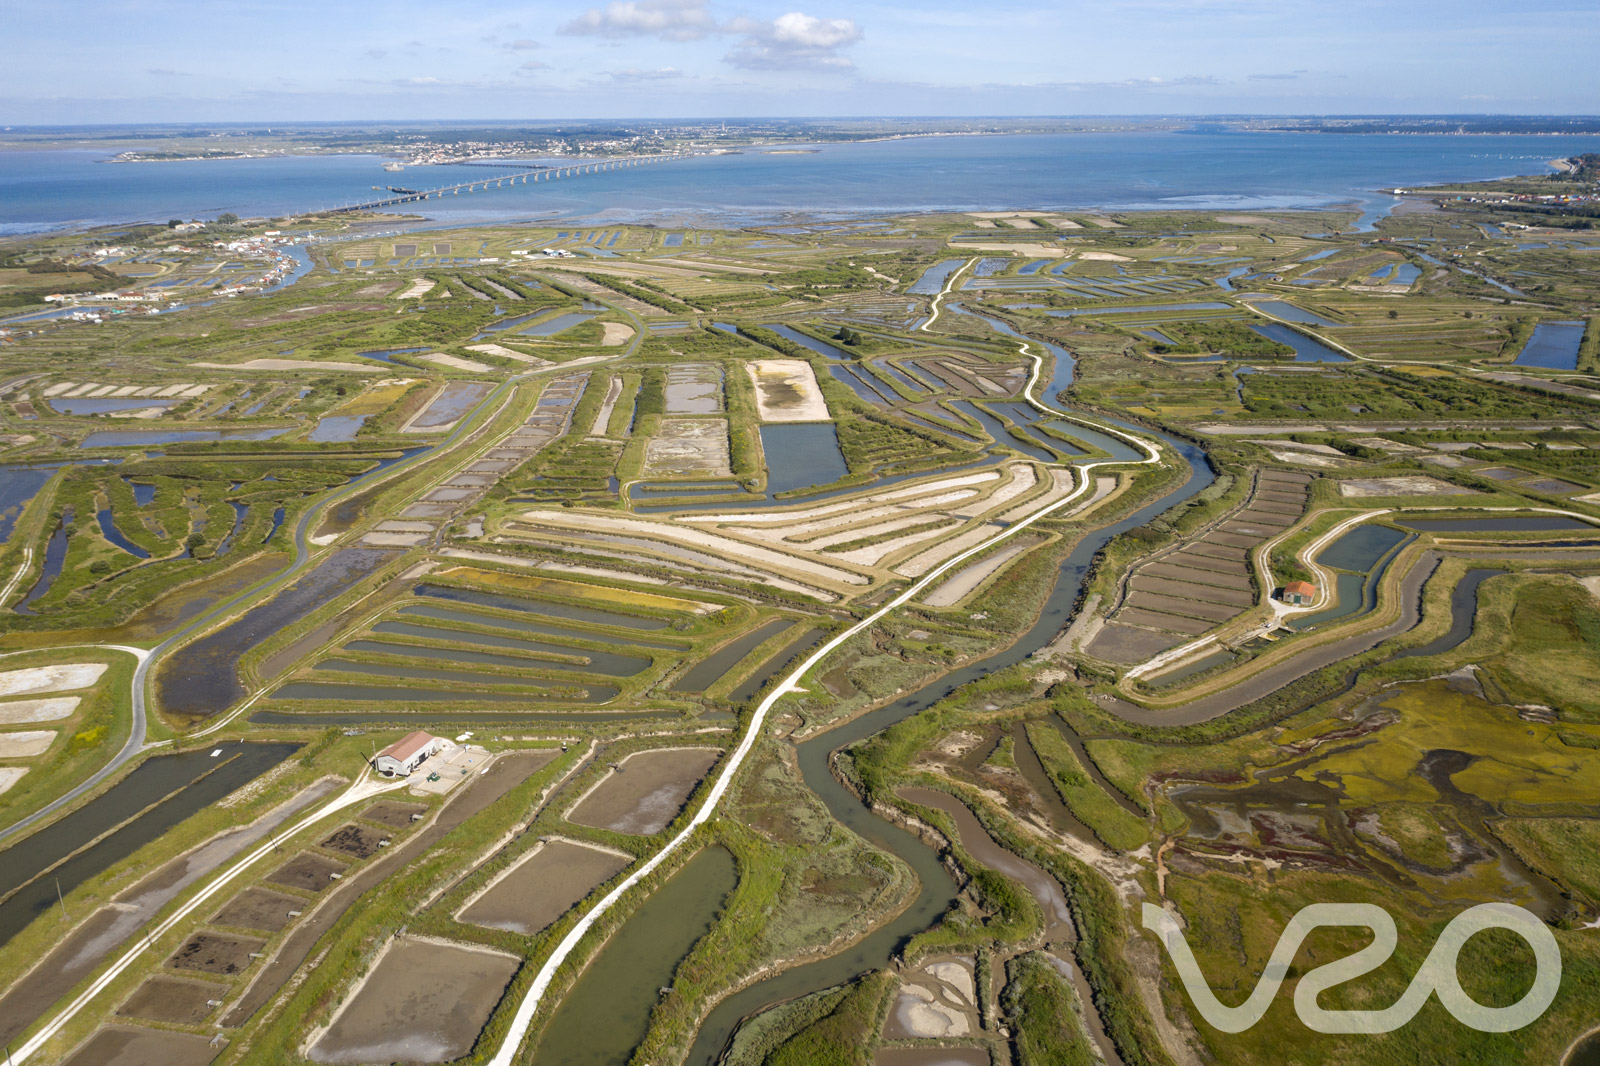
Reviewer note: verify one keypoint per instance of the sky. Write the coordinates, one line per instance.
(304, 60)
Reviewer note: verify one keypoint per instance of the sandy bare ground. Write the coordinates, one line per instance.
(1046, 251)
(502, 352)
(455, 362)
(875, 529)
(50, 678)
(616, 334)
(1104, 487)
(141, 413)
(968, 578)
(717, 264)
(568, 568)
(787, 391)
(1107, 257)
(419, 287)
(751, 554)
(394, 540)
(1307, 459)
(853, 504)
(655, 268)
(602, 418)
(924, 509)
(1063, 223)
(1296, 446)
(689, 447)
(1024, 478)
(292, 364)
(1592, 584)
(1061, 484)
(920, 1015)
(920, 564)
(26, 743)
(1401, 486)
(694, 389)
(657, 554)
(872, 554)
(46, 710)
(1019, 223)
(10, 775)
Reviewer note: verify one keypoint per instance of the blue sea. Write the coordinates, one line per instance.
(1206, 169)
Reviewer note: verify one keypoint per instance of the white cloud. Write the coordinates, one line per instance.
(789, 42)
(670, 20)
(792, 41)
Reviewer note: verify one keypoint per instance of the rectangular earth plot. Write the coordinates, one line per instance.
(540, 887)
(787, 391)
(689, 447)
(422, 1001)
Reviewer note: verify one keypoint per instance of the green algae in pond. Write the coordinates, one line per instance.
(605, 1015)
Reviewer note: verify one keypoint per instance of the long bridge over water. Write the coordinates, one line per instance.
(522, 175)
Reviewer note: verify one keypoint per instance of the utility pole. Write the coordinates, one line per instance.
(63, 910)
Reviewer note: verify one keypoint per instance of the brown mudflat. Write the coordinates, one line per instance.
(424, 1001)
(542, 886)
(117, 1046)
(357, 840)
(257, 908)
(172, 999)
(307, 871)
(647, 792)
(215, 953)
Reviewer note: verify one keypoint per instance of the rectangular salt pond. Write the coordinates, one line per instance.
(1291, 313)
(422, 1001)
(144, 438)
(1306, 350)
(1360, 549)
(86, 406)
(456, 399)
(1553, 346)
(802, 455)
(543, 885)
(1204, 306)
(709, 670)
(558, 324)
(933, 279)
(18, 485)
(336, 428)
(645, 791)
(806, 341)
